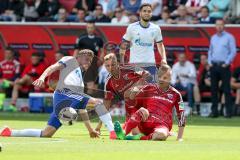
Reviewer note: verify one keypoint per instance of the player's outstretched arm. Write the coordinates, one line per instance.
(84, 115)
(40, 81)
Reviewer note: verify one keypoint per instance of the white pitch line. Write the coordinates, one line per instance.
(39, 142)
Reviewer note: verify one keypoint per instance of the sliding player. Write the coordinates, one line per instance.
(154, 118)
(69, 93)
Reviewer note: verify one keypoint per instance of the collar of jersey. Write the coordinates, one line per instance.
(143, 26)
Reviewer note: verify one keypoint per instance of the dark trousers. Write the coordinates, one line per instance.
(220, 73)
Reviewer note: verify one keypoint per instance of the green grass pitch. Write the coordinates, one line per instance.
(204, 138)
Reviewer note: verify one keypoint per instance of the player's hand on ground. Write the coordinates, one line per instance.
(179, 139)
(94, 134)
(38, 83)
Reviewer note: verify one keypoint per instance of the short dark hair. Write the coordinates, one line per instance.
(145, 5)
(205, 7)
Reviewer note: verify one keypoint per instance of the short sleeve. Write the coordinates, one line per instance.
(158, 37)
(128, 36)
(65, 60)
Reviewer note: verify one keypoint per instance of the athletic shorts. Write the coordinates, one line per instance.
(62, 100)
(151, 124)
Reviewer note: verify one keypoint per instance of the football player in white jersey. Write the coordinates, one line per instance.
(142, 35)
(68, 93)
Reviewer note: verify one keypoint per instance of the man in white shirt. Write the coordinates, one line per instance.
(142, 35)
(184, 77)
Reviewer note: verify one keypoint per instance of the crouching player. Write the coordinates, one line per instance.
(119, 83)
(68, 93)
(154, 117)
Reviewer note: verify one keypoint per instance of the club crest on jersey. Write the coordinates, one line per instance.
(170, 96)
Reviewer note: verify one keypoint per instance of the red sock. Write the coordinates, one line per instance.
(133, 122)
(148, 137)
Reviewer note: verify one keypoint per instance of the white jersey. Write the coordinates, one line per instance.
(71, 75)
(142, 41)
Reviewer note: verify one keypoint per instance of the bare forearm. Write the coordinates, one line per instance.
(180, 133)
(85, 118)
(162, 52)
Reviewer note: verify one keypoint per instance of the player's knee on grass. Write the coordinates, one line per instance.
(144, 113)
(160, 134)
(135, 131)
(48, 132)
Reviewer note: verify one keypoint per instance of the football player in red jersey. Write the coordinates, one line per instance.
(154, 116)
(9, 69)
(119, 83)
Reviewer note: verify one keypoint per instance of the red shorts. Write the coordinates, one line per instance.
(152, 124)
(130, 108)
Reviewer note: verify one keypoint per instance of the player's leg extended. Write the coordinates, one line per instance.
(105, 117)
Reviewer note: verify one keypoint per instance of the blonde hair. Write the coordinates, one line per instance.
(85, 52)
(109, 56)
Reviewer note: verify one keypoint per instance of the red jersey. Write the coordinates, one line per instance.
(34, 70)
(117, 86)
(9, 69)
(160, 104)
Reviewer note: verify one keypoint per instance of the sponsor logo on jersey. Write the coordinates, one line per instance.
(138, 42)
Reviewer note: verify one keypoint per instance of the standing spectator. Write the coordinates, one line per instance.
(184, 77)
(220, 55)
(235, 83)
(218, 8)
(131, 6)
(30, 74)
(9, 71)
(194, 6)
(94, 43)
(156, 6)
(119, 17)
(142, 35)
(204, 16)
(99, 15)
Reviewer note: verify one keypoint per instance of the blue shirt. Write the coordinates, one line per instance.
(222, 48)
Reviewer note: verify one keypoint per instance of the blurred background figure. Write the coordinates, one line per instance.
(119, 17)
(235, 83)
(184, 77)
(218, 8)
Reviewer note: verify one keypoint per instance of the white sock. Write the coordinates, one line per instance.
(26, 133)
(107, 120)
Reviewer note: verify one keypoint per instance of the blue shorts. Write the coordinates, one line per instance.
(61, 100)
(153, 71)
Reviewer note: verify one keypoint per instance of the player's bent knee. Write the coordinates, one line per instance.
(145, 113)
(160, 134)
